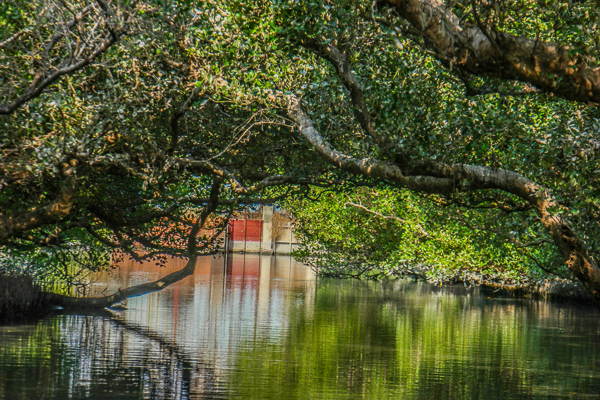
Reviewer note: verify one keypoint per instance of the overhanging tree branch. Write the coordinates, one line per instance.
(443, 178)
(138, 290)
(49, 73)
(339, 60)
(551, 67)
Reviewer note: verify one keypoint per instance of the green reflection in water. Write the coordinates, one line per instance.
(401, 340)
(88, 357)
(269, 335)
(30, 359)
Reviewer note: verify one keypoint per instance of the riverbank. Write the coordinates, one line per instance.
(543, 288)
(19, 297)
(540, 288)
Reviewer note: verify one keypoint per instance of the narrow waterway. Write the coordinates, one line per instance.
(265, 328)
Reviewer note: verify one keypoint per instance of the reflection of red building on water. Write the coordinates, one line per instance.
(244, 267)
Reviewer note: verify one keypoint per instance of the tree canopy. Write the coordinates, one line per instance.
(140, 126)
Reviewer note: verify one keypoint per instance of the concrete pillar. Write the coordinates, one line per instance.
(267, 233)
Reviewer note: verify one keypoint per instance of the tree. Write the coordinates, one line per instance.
(377, 232)
(94, 166)
(125, 121)
(481, 49)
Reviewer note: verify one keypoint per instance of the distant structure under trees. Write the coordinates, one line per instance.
(265, 230)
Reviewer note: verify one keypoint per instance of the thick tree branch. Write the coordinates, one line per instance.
(449, 178)
(73, 63)
(16, 225)
(239, 188)
(340, 62)
(36, 90)
(13, 38)
(551, 67)
(180, 112)
(138, 290)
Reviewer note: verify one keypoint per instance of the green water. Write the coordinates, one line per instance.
(262, 328)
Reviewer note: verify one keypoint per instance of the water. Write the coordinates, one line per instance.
(264, 328)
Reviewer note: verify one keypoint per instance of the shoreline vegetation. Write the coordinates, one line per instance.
(21, 298)
(546, 288)
(551, 288)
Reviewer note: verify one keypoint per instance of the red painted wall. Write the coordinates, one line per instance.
(249, 229)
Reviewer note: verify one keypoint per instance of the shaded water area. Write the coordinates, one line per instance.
(264, 328)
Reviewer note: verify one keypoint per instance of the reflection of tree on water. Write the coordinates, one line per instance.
(180, 343)
(115, 357)
(413, 341)
(280, 335)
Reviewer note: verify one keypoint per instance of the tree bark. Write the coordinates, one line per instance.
(485, 51)
(15, 225)
(59, 300)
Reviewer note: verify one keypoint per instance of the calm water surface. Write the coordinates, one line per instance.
(263, 328)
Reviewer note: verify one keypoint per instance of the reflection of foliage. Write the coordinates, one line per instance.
(54, 357)
(369, 340)
(340, 339)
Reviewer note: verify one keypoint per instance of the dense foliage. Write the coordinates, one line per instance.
(131, 125)
(374, 233)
